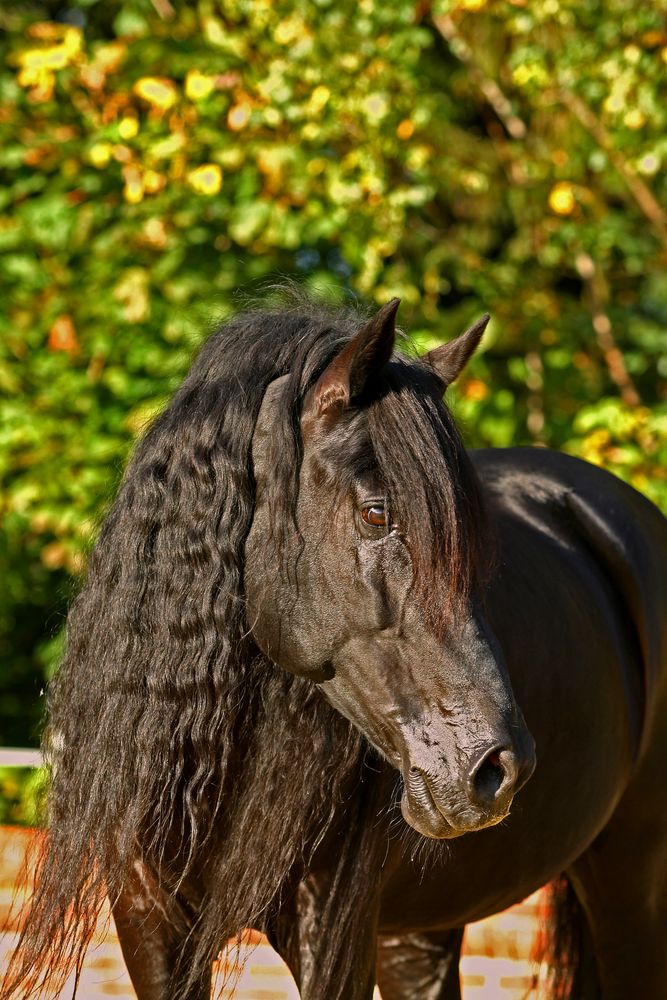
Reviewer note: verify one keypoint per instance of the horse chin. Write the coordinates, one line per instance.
(421, 811)
(428, 821)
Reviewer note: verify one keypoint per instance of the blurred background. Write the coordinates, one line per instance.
(160, 161)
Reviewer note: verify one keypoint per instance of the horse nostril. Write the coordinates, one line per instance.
(489, 775)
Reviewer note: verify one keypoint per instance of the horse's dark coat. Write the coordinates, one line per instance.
(534, 589)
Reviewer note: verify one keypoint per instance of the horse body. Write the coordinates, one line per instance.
(299, 614)
(580, 614)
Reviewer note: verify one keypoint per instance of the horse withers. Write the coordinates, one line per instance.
(297, 677)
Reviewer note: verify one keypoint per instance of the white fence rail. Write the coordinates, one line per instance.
(17, 757)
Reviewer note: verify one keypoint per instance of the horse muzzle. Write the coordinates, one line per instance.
(440, 808)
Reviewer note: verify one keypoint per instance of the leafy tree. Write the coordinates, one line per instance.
(156, 157)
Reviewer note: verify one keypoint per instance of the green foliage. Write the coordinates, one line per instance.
(21, 794)
(630, 441)
(500, 155)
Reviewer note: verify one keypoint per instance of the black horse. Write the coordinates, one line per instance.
(308, 605)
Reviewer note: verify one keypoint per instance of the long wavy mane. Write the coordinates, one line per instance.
(170, 735)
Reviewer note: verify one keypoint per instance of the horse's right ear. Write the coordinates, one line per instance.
(345, 378)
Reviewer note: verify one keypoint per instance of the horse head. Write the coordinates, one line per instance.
(356, 593)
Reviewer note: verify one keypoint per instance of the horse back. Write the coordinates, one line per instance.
(611, 524)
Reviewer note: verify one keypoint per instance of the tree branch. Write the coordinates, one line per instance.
(641, 193)
(598, 296)
(163, 9)
(514, 125)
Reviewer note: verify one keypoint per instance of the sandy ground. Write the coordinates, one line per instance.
(495, 966)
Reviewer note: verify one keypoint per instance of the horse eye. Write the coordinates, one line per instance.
(375, 514)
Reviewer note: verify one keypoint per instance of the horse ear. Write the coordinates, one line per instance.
(346, 377)
(450, 359)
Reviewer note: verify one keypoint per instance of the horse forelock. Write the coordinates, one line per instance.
(433, 491)
(403, 432)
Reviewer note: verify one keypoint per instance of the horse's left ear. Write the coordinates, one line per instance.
(450, 359)
(345, 378)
